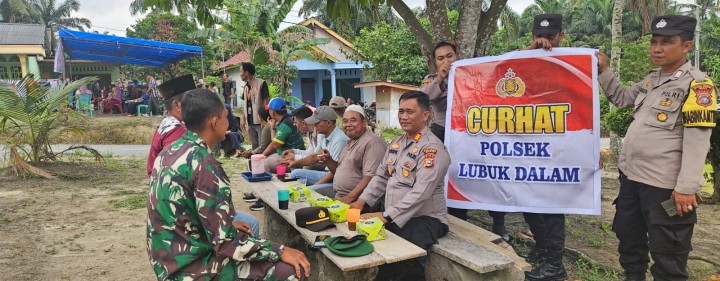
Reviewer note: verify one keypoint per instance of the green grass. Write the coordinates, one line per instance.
(708, 185)
(589, 270)
(132, 202)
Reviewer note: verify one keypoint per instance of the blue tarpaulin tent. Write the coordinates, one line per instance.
(116, 49)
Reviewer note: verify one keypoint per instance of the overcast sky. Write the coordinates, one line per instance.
(114, 15)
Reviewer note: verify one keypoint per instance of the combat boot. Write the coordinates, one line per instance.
(536, 256)
(550, 270)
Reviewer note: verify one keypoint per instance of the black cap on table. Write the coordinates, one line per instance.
(672, 24)
(547, 24)
(313, 218)
(176, 86)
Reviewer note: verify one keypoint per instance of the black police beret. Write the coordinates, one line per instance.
(672, 24)
(547, 24)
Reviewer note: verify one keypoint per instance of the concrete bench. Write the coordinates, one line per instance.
(279, 226)
(469, 252)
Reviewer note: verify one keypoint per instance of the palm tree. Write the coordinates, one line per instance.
(55, 17)
(360, 16)
(35, 115)
(15, 11)
(645, 7)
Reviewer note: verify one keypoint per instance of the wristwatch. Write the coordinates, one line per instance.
(387, 217)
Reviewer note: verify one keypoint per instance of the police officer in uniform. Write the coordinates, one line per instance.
(548, 229)
(435, 86)
(410, 179)
(663, 153)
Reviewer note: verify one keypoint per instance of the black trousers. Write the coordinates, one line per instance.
(548, 229)
(643, 226)
(422, 231)
(439, 132)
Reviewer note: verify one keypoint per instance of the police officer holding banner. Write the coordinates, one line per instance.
(548, 229)
(663, 153)
(435, 86)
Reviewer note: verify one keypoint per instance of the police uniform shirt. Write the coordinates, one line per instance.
(411, 179)
(358, 159)
(668, 140)
(438, 97)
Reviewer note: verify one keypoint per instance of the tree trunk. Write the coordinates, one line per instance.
(437, 13)
(421, 35)
(646, 17)
(716, 180)
(660, 7)
(487, 24)
(615, 144)
(467, 29)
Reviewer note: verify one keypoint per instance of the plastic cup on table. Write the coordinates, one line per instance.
(283, 198)
(353, 216)
(281, 169)
(302, 181)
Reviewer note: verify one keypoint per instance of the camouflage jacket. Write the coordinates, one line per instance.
(190, 234)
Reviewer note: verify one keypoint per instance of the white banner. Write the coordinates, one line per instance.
(523, 132)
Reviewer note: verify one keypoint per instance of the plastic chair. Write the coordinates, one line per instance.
(84, 103)
(119, 107)
(141, 106)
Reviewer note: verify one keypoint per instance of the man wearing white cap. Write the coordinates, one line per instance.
(358, 161)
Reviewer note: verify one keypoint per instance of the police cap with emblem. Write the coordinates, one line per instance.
(176, 86)
(313, 218)
(547, 24)
(672, 24)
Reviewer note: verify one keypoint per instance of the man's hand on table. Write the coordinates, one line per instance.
(359, 204)
(243, 227)
(373, 215)
(347, 200)
(297, 259)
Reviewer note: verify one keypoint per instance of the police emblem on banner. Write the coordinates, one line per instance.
(704, 94)
(510, 85)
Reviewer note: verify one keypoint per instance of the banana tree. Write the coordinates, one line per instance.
(34, 115)
(294, 43)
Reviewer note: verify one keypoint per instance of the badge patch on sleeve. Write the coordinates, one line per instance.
(700, 108)
(429, 160)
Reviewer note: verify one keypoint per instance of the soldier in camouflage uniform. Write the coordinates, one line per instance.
(190, 234)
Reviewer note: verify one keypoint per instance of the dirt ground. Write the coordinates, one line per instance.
(90, 225)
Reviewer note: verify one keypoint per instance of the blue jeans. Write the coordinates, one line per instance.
(249, 219)
(233, 136)
(312, 177)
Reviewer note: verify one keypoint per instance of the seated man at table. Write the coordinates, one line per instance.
(334, 142)
(190, 232)
(299, 116)
(287, 136)
(358, 161)
(410, 179)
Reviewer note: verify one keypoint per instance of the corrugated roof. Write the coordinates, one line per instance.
(21, 34)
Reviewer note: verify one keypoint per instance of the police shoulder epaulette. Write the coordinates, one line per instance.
(428, 79)
(698, 75)
(700, 108)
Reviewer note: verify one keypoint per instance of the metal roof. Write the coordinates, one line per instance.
(22, 34)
